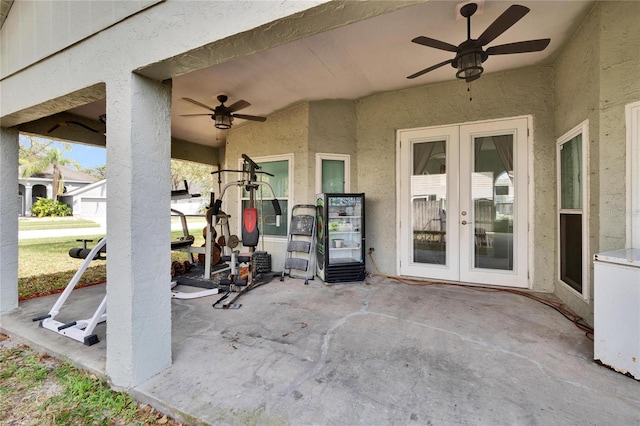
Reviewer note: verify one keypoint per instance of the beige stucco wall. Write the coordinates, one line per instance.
(595, 77)
(577, 75)
(332, 129)
(523, 92)
(302, 130)
(619, 84)
(285, 132)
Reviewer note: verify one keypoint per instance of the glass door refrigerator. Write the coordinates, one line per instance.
(340, 237)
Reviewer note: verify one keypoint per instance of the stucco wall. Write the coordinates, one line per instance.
(332, 129)
(285, 132)
(143, 39)
(577, 75)
(619, 85)
(595, 79)
(302, 130)
(521, 92)
(36, 29)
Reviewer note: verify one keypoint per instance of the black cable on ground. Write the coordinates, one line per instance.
(559, 307)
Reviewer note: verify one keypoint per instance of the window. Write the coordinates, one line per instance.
(572, 218)
(280, 166)
(332, 173)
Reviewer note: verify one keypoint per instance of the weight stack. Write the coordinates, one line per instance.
(262, 261)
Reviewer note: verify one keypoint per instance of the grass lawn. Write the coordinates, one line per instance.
(32, 224)
(44, 264)
(36, 389)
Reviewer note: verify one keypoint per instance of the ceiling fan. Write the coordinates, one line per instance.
(102, 118)
(470, 53)
(223, 115)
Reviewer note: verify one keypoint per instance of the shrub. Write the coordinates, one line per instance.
(47, 207)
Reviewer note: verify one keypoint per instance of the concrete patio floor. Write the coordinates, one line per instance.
(378, 352)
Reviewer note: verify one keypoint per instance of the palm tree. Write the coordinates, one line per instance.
(53, 157)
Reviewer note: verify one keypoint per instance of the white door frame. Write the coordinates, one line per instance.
(632, 111)
(450, 134)
(519, 277)
(345, 158)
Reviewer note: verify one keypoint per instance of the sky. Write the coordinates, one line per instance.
(89, 157)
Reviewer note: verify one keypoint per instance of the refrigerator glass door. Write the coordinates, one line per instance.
(344, 229)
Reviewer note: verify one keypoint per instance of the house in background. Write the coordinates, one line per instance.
(88, 201)
(534, 165)
(41, 186)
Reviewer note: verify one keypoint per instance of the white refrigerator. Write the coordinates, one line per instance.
(617, 310)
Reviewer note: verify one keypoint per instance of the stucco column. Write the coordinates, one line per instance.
(139, 237)
(8, 219)
(28, 201)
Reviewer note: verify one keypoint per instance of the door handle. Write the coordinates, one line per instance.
(464, 222)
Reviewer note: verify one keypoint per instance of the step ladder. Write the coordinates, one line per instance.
(301, 243)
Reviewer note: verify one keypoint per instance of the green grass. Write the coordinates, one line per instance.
(39, 390)
(45, 267)
(36, 389)
(36, 224)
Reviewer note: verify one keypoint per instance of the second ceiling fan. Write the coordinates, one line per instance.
(223, 115)
(470, 53)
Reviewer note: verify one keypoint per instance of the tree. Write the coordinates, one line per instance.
(31, 149)
(197, 175)
(99, 172)
(40, 156)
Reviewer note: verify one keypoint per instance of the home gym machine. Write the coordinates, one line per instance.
(82, 330)
(201, 275)
(250, 234)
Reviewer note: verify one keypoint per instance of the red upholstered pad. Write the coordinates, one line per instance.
(250, 232)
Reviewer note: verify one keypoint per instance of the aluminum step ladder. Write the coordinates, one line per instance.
(301, 243)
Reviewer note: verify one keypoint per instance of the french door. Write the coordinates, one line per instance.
(463, 203)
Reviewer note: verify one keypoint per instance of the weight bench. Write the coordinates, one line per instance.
(80, 330)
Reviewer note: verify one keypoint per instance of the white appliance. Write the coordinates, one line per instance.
(617, 310)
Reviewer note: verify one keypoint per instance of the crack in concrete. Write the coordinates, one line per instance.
(324, 350)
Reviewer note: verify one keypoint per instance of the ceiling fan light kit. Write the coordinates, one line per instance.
(223, 122)
(470, 53)
(223, 115)
(469, 64)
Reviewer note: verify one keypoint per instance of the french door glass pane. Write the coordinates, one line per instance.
(571, 169)
(492, 190)
(429, 202)
(332, 176)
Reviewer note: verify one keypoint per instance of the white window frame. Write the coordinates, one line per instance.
(580, 129)
(345, 158)
(289, 198)
(632, 111)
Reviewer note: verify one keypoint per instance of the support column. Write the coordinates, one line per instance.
(139, 237)
(8, 219)
(28, 198)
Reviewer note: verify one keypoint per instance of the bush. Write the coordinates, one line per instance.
(47, 207)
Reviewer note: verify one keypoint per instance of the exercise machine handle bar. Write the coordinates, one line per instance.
(274, 202)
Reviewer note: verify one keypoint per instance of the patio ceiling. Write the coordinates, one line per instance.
(357, 60)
